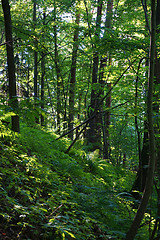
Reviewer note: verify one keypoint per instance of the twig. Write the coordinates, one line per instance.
(55, 210)
(6, 43)
(76, 138)
(146, 16)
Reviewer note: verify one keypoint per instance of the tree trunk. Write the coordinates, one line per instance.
(94, 131)
(42, 88)
(79, 110)
(42, 77)
(35, 60)
(149, 182)
(140, 181)
(157, 129)
(108, 25)
(35, 53)
(73, 75)
(105, 118)
(11, 64)
(58, 87)
(136, 118)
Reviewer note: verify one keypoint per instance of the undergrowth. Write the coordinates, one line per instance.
(47, 194)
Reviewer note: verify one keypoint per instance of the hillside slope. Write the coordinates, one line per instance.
(47, 194)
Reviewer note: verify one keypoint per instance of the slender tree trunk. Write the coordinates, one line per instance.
(94, 134)
(65, 127)
(156, 108)
(58, 90)
(28, 75)
(35, 59)
(136, 119)
(35, 54)
(106, 115)
(79, 110)
(11, 64)
(73, 75)
(94, 131)
(157, 128)
(105, 118)
(42, 77)
(149, 182)
(108, 25)
(140, 180)
(51, 103)
(42, 88)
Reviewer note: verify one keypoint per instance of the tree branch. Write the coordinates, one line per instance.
(146, 16)
(95, 111)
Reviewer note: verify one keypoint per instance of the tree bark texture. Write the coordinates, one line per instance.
(94, 131)
(73, 75)
(105, 118)
(35, 62)
(11, 64)
(57, 68)
(35, 53)
(107, 115)
(157, 129)
(149, 182)
(140, 181)
(42, 77)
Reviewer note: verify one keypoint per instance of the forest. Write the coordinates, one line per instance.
(79, 119)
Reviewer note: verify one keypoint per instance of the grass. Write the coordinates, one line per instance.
(47, 194)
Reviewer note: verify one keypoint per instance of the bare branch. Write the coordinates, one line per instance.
(146, 16)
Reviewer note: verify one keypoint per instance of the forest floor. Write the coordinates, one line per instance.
(47, 194)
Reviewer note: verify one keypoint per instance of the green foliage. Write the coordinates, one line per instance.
(47, 194)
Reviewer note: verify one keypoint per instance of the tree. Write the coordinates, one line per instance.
(35, 57)
(73, 74)
(157, 132)
(11, 65)
(58, 72)
(149, 182)
(107, 105)
(42, 76)
(94, 131)
(143, 153)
